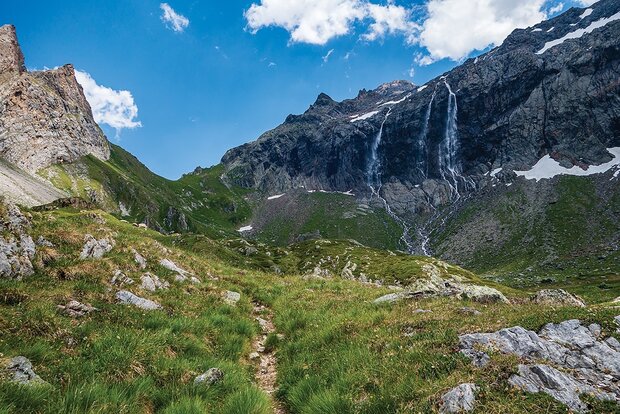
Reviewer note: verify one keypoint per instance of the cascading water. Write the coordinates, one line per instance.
(422, 140)
(373, 177)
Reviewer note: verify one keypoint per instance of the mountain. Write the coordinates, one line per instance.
(36, 106)
(508, 163)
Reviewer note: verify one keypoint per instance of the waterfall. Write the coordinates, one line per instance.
(374, 167)
(422, 140)
(373, 178)
(448, 150)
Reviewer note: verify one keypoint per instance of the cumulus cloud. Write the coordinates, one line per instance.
(174, 20)
(586, 3)
(556, 9)
(114, 108)
(455, 28)
(319, 21)
(450, 29)
(390, 19)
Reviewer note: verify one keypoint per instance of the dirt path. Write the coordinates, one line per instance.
(267, 370)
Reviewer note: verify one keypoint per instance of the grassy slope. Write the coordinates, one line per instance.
(208, 205)
(300, 215)
(566, 243)
(340, 353)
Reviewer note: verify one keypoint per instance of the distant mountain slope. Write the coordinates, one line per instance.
(475, 165)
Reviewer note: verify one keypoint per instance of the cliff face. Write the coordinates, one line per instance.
(426, 147)
(44, 116)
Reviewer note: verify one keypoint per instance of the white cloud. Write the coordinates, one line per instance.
(174, 20)
(556, 9)
(326, 57)
(455, 28)
(586, 3)
(390, 19)
(114, 108)
(318, 21)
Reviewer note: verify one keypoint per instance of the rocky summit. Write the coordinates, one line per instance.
(44, 116)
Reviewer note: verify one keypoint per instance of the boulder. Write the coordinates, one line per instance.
(211, 377)
(76, 309)
(95, 249)
(120, 279)
(231, 298)
(470, 311)
(557, 297)
(391, 297)
(459, 399)
(21, 369)
(482, 294)
(139, 259)
(153, 283)
(129, 298)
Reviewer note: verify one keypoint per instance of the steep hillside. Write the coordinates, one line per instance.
(124, 186)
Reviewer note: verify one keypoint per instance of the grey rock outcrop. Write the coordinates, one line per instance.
(436, 286)
(559, 385)
(95, 249)
(589, 363)
(76, 309)
(231, 298)
(211, 377)
(459, 399)
(44, 116)
(153, 283)
(139, 259)
(17, 249)
(22, 373)
(121, 279)
(558, 297)
(129, 298)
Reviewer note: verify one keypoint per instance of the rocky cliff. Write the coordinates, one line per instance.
(533, 96)
(44, 116)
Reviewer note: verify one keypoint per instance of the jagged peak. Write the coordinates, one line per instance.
(323, 99)
(11, 56)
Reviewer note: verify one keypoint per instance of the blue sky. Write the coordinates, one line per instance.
(238, 68)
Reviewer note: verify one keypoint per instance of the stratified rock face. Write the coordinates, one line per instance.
(431, 145)
(44, 116)
(11, 57)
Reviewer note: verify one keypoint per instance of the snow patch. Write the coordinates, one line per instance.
(580, 32)
(536, 30)
(496, 171)
(586, 13)
(547, 167)
(421, 88)
(395, 102)
(347, 193)
(244, 229)
(365, 116)
(275, 197)
(551, 30)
